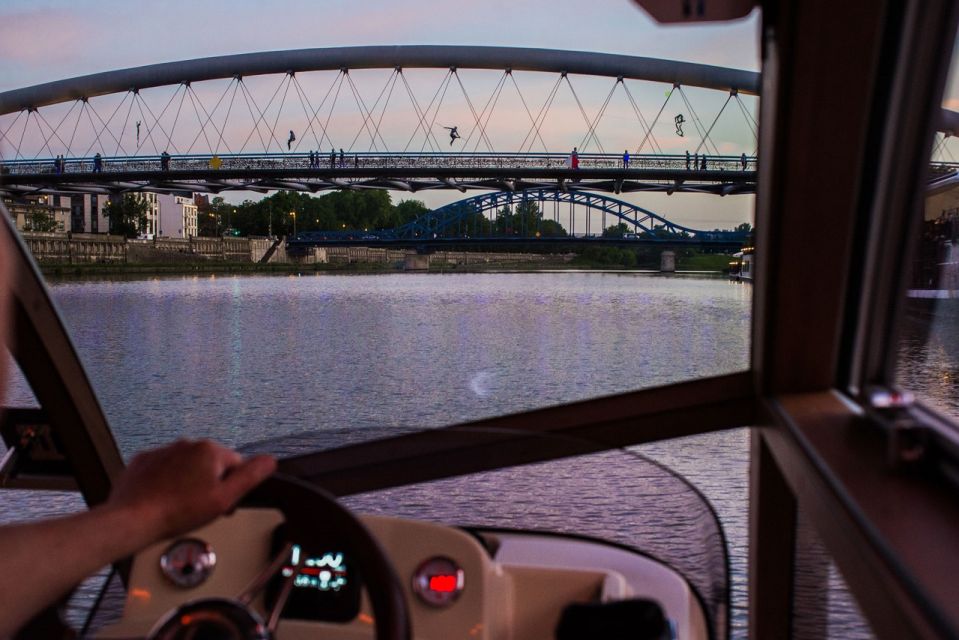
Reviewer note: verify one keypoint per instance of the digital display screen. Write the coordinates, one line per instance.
(326, 586)
(324, 573)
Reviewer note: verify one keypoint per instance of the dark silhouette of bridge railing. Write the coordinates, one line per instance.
(403, 171)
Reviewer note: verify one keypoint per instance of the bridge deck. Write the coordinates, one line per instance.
(404, 171)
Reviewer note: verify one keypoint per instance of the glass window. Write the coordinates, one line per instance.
(929, 346)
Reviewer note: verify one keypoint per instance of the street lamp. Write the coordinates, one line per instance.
(293, 213)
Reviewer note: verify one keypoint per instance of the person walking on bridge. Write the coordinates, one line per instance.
(97, 163)
(574, 159)
(626, 159)
(743, 160)
(687, 159)
(332, 158)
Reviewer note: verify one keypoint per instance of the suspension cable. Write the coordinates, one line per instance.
(140, 104)
(46, 146)
(473, 111)
(253, 117)
(697, 122)
(156, 121)
(309, 112)
(23, 133)
(262, 116)
(93, 126)
(439, 104)
(583, 111)
(710, 130)
(47, 139)
(592, 128)
(529, 114)
(59, 124)
(106, 124)
(209, 116)
(176, 118)
(656, 119)
(693, 116)
(126, 121)
(367, 114)
(199, 120)
(647, 130)
(279, 111)
(421, 115)
(541, 116)
(329, 115)
(389, 95)
(489, 114)
(76, 125)
(750, 121)
(490, 100)
(226, 118)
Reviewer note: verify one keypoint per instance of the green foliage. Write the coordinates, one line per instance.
(616, 231)
(365, 210)
(525, 219)
(127, 215)
(659, 232)
(39, 219)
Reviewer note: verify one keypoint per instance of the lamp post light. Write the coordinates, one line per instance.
(293, 213)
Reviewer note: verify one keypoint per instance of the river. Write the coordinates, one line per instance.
(248, 358)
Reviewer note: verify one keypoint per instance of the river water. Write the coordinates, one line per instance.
(246, 359)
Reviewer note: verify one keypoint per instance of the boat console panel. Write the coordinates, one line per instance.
(494, 584)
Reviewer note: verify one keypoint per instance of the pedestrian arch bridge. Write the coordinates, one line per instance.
(382, 117)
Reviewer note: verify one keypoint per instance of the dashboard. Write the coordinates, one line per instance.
(458, 584)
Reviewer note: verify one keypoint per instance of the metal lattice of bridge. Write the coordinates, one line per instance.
(543, 215)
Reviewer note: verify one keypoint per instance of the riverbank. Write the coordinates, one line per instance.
(208, 268)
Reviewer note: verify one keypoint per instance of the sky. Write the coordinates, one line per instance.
(45, 40)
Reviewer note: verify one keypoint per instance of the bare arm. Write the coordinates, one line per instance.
(162, 493)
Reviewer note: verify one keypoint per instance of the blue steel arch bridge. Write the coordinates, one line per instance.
(497, 218)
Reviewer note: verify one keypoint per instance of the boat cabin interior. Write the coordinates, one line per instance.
(851, 97)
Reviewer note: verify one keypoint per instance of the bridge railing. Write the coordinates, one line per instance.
(358, 163)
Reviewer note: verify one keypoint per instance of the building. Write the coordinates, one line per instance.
(151, 226)
(45, 213)
(177, 216)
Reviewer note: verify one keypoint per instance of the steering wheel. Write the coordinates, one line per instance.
(311, 514)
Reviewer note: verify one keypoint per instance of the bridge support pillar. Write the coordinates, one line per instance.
(667, 262)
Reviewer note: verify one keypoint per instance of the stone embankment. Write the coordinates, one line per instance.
(94, 248)
(60, 249)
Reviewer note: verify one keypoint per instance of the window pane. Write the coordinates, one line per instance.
(929, 347)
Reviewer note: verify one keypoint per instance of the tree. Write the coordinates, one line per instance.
(39, 219)
(127, 215)
(616, 230)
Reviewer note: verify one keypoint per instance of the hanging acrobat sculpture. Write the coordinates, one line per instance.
(679, 120)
